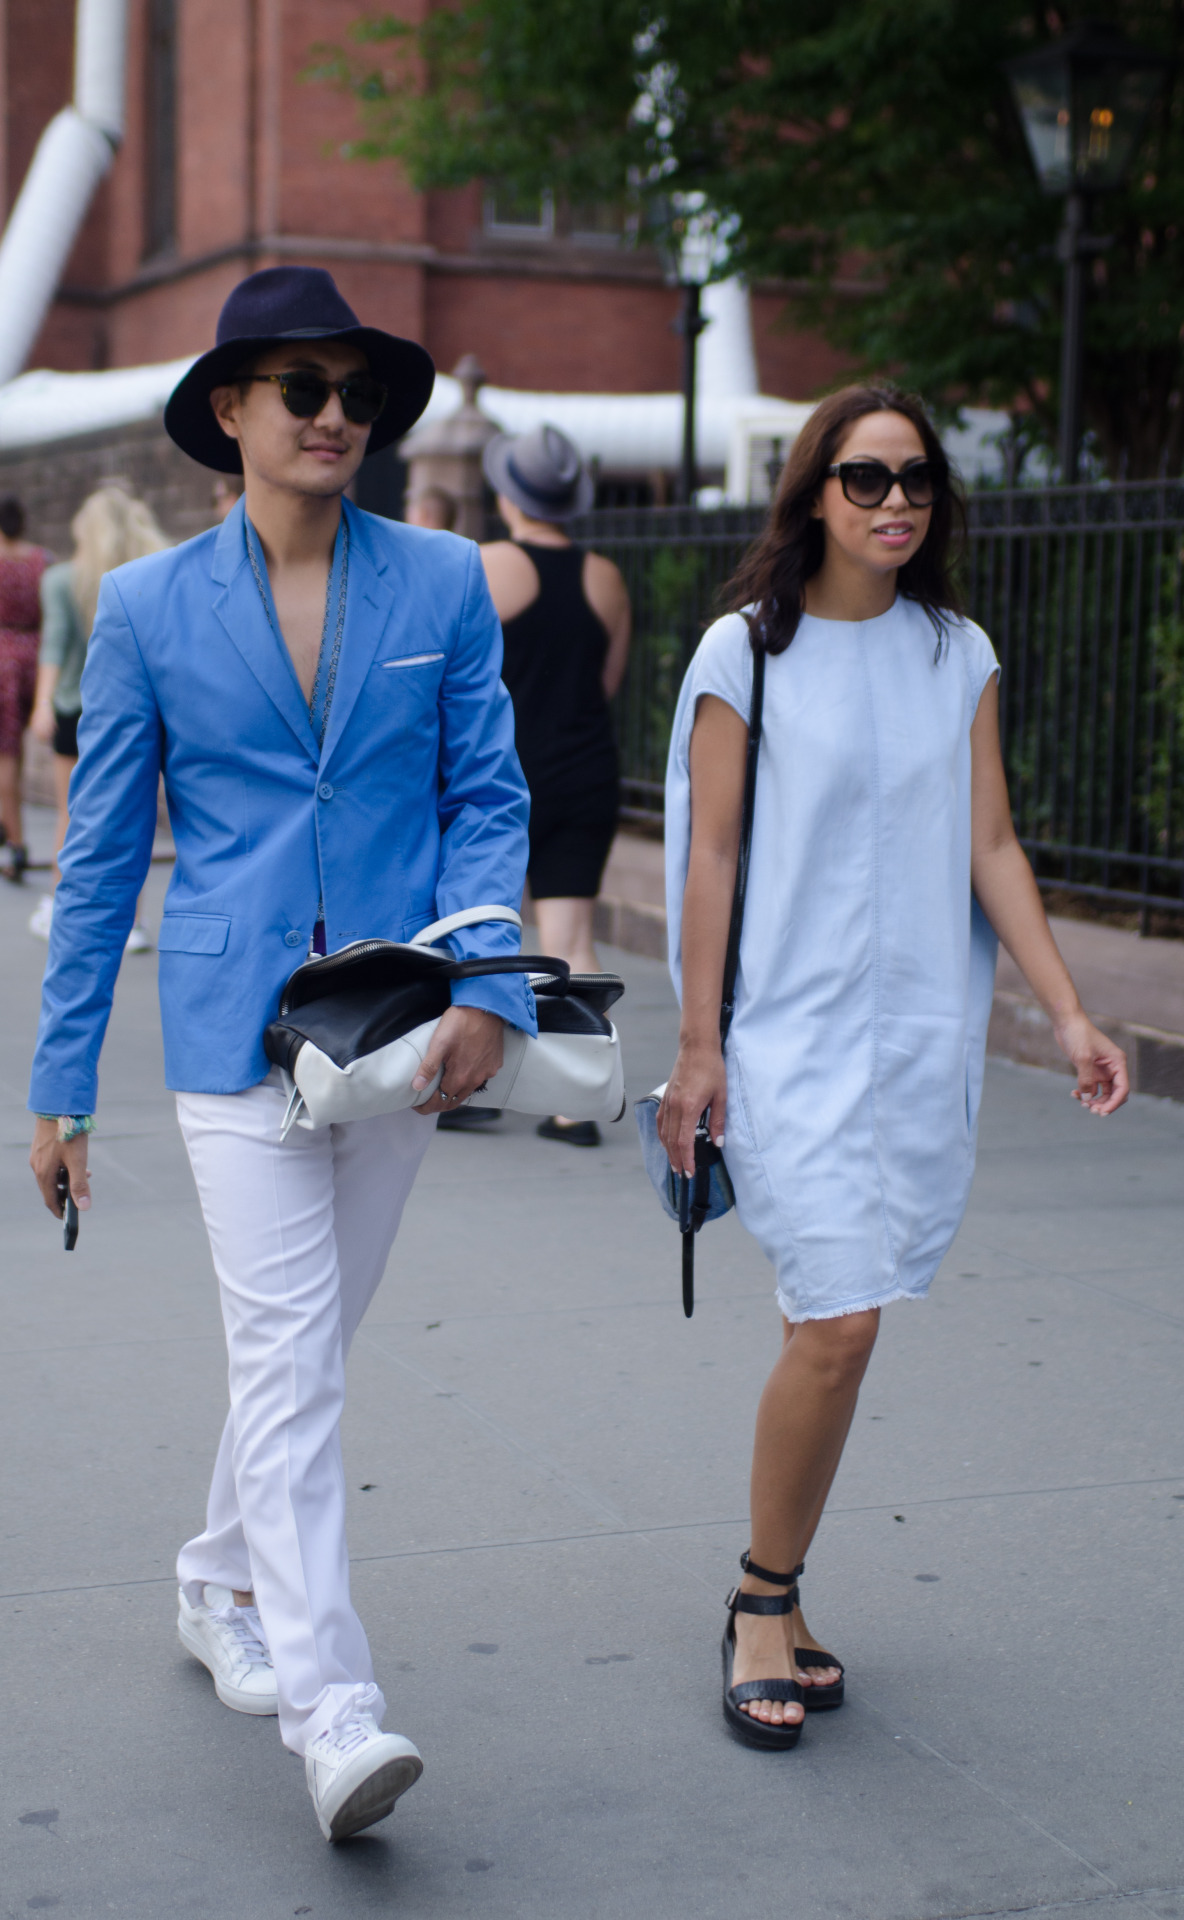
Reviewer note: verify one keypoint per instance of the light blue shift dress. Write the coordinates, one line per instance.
(855, 1059)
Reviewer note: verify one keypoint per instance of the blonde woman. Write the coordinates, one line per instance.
(110, 527)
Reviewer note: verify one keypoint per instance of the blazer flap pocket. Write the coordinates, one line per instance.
(193, 933)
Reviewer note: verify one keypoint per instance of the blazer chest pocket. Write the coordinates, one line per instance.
(193, 933)
(410, 660)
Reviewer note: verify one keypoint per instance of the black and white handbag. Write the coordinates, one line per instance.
(354, 1027)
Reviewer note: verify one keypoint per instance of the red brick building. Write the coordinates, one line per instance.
(232, 161)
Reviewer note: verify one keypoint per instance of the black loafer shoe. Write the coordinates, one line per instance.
(577, 1133)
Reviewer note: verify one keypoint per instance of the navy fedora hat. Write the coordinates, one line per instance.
(282, 304)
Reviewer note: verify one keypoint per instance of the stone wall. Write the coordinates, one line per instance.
(52, 480)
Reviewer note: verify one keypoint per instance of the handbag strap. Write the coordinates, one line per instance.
(732, 955)
(693, 1193)
(467, 917)
(476, 969)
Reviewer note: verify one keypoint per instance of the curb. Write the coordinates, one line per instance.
(1022, 1032)
(633, 928)
(1019, 1031)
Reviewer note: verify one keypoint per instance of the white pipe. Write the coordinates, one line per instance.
(71, 158)
(727, 357)
(625, 432)
(100, 59)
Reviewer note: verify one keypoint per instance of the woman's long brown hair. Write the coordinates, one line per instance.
(771, 579)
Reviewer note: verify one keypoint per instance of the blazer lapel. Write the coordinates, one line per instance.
(241, 611)
(368, 607)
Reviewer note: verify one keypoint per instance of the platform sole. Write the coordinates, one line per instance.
(824, 1699)
(750, 1732)
(820, 1699)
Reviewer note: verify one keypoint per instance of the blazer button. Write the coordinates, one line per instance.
(325, 790)
(293, 938)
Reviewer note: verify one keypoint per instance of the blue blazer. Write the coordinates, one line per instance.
(414, 808)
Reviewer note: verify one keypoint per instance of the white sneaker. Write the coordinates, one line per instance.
(41, 919)
(355, 1774)
(229, 1641)
(138, 941)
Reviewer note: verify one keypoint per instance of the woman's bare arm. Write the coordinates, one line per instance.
(699, 1080)
(1010, 898)
(42, 717)
(511, 576)
(608, 596)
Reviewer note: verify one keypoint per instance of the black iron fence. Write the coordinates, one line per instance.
(1082, 592)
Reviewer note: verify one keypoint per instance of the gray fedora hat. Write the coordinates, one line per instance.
(541, 472)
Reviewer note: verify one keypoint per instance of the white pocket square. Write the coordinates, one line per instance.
(412, 660)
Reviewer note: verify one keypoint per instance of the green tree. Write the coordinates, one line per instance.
(865, 154)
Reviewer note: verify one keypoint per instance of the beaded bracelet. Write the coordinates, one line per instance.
(70, 1125)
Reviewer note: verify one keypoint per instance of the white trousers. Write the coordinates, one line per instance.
(300, 1234)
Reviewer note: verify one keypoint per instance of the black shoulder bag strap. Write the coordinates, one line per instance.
(732, 956)
(693, 1193)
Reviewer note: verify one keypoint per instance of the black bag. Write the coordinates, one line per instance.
(692, 1200)
(354, 1026)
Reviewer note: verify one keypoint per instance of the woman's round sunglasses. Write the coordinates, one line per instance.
(867, 483)
(305, 394)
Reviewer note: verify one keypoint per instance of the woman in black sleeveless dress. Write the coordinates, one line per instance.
(566, 619)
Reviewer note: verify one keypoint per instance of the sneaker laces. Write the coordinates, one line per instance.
(353, 1734)
(353, 1725)
(247, 1628)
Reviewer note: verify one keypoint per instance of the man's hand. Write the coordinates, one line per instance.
(468, 1045)
(48, 1155)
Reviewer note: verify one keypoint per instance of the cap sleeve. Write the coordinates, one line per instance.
(979, 657)
(723, 665)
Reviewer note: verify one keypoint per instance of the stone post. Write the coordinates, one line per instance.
(447, 453)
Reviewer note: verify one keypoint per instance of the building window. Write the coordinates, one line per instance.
(598, 223)
(520, 216)
(160, 123)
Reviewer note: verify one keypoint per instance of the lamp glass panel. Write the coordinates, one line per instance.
(1042, 96)
(1110, 107)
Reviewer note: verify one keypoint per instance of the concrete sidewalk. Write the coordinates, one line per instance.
(548, 1471)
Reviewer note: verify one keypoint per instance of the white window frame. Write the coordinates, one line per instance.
(516, 229)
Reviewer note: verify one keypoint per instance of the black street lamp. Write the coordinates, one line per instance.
(1084, 101)
(687, 245)
(690, 324)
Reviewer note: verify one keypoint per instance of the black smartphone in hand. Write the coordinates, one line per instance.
(69, 1211)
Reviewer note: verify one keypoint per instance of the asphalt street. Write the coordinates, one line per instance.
(548, 1469)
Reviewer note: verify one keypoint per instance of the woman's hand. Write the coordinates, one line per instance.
(41, 722)
(1103, 1083)
(699, 1082)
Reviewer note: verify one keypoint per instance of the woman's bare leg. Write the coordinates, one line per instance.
(10, 799)
(565, 930)
(802, 1425)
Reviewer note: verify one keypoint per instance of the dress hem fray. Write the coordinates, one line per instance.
(796, 1316)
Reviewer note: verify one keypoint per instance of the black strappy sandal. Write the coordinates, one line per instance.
(819, 1699)
(756, 1733)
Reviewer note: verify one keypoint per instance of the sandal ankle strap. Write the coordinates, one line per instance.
(762, 1573)
(765, 1603)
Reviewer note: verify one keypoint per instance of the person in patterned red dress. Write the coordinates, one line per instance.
(21, 568)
